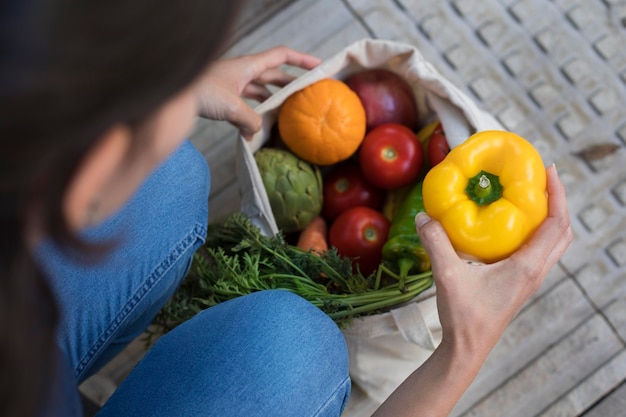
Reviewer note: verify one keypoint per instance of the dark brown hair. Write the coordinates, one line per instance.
(70, 69)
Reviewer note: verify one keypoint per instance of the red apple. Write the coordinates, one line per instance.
(386, 96)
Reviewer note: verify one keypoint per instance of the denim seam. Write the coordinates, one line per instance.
(198, 232)
(331, 398)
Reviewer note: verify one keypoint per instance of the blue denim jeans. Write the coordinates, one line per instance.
(270, 353)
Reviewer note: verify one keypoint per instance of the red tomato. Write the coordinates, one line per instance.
(360, 232)
(438, 146)
(391, 156)
(346, 187)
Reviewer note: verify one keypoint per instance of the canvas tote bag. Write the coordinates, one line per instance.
(383, 348)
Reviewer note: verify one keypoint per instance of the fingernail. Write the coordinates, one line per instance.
(421, 219)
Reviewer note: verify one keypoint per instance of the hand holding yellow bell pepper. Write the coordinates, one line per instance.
(489, 194)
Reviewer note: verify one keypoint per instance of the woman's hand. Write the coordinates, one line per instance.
(477, 302)
(227, 82)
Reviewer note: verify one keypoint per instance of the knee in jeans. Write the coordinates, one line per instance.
(189, 172)
(292, 317)
(194, 170)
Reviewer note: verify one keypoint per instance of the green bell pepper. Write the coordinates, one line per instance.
(404, 246)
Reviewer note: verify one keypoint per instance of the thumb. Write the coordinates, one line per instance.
(246, 120)
(435, 241)
(218, 103)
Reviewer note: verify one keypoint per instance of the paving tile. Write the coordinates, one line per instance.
(458, 57)
(617, 126)
(596, 215)
(622, 76)
(386, 21)
(576, 70)
(617, 252)
(568, 4)
(556, 277)
(511, 117)
(529, 13)
(484, 88)
(602, 283)
(591, 390)
(517, 62)
(287, 27)
(613, 405)
(419, 24)
(550, 40)
(619, 192)
(475, 12)
(255, 13)
(492, 32)
(581, 16)
(544, 94)
(585, 17)
(590, 86)
(224, 202)
(431, 27)
(530, 334)
(609, 46)
(570, 125)
(523, 10)
(552, 375)
(220, 151)
(616, 315)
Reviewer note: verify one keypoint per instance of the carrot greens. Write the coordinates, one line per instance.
(238, 259)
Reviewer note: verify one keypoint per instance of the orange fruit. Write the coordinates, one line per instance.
(324, 123)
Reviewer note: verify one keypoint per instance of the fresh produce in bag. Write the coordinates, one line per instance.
(360, 233)
(324, 123)
(391, 156)
(389, 317)
(403, 245)
(386, 97)
(293, 186)
(346, 187)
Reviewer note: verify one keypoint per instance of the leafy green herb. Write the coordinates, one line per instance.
(238, 260)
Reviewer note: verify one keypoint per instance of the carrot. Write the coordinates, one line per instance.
(314, 236)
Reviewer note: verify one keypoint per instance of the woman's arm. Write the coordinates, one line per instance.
(476, 303)
(227, 82)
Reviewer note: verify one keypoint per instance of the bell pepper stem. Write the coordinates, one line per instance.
(484, 188)
(484, 183)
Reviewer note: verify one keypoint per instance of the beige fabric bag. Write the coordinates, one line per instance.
(385, 348)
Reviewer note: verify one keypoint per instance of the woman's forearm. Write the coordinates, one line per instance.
(475, 305)
(435, 387)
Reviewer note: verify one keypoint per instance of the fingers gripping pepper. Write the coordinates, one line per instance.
(404, 246)
(489, 194)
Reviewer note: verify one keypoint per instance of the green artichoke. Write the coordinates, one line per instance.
(293, 186)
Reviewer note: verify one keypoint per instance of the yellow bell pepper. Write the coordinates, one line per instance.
(489, 194)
